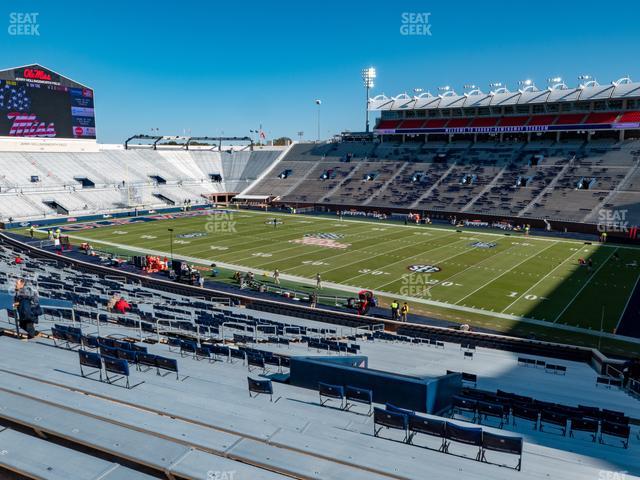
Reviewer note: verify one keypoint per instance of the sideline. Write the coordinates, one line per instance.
(380, 293)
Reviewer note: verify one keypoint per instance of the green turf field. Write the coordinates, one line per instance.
(469, 272)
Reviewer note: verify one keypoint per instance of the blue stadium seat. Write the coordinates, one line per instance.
(617, 430)
(358, 395)
(331, 392)
(258, 387)
(467, 435)
(167, 364)
(427, 426)
(90, 360)
(502, 443)
(118, 367)
(391, 420)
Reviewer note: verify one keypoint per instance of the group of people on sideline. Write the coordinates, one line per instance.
(399, 312)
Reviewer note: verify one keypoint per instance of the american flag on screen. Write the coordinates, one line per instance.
(14, 99)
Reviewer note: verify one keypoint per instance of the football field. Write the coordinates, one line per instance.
(510, 276)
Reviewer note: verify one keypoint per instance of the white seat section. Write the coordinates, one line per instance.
(48, 184)
(33, 457)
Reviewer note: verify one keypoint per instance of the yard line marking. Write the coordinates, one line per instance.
(541, 280)
(303, 250)
(466, 250)
(584, 286)
(466, 230)
(626, 305)
(475, 265)
(426, 242)
(389, 223)
(504, 273)
(334, 254)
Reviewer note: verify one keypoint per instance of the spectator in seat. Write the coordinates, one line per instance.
(122, 306)
(112, 302)
(27, 306)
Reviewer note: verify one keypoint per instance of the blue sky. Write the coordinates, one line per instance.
(207, 67)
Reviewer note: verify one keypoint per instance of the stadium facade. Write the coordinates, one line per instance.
(589, 108)
(561, 158)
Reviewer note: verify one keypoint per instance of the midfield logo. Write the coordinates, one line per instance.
(424, 268)
(192, 235)
(326, 236)
(483, 244)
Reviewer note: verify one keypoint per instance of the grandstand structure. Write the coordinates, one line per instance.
(561, 156)
(39, 186)
(193, 386)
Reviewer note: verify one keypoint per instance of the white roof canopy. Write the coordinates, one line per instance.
(621, 89)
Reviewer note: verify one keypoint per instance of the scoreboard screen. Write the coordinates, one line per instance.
(37, 103)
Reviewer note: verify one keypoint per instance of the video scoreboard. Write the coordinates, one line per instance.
(36, 102)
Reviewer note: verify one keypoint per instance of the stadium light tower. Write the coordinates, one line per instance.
(318, 103)
(555, 82)
(587, 80)
(368, 77)
(170, 230)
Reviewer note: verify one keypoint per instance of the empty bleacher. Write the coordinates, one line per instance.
(565, 181)
(30, 182)
(200, 418)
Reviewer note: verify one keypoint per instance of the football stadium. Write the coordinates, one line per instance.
(449, 289)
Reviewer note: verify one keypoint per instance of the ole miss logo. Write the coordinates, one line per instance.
(36, 74)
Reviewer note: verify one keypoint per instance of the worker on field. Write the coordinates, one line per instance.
(318, 281)
(404, 311)
(395, 308)
(32, 230)
(276, 276)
